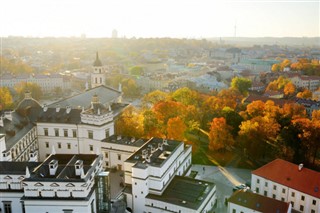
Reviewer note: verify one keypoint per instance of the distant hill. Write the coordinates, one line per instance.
(290, 41)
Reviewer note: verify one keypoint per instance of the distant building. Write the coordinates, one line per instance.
(249, 202)
(288, 182)
(311, 83)
(47, 83)
(114, 33)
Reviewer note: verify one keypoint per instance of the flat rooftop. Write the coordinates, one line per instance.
(154, 152)
(129, 141)
(186, 192)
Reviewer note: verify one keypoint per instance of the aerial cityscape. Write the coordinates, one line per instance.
(160, 106)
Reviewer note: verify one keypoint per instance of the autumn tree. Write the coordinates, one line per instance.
(34, 88)
(257, 134)
(220, 136)
(5, 98)
(130, 123)
(176, 129)
(289, 89)
(241, 84)
(154, 97)
(306, 94)
(186, 96)
(151, 125)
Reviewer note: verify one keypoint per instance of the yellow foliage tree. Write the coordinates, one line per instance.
(5, 98)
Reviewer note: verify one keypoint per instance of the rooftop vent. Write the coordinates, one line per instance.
(132, 140)
(300, 166)
(165, 141)
(160, 146)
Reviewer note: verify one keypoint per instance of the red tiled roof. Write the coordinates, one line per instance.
(258, 202)
(288, 174)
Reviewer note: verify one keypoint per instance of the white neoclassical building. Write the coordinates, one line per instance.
(289, 182)
(61, 184)
(155, 183)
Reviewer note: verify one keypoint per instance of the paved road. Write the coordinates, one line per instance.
(225, 179)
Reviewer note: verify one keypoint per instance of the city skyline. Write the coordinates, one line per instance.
(142, 18)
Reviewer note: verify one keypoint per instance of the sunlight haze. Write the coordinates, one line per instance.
(145, 18)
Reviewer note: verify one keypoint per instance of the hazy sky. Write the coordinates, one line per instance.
(160, 18)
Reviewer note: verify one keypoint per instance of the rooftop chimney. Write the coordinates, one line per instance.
(45, 107)
(1, 122)
(53, 166)
(57, 108)
(78, 167)
(300, 166)
(68, 109)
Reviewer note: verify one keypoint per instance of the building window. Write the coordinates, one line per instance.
(7, 207)
(74, 133)
(274, 196)
(274, 187)
(266, 184)
(107, 133)
(282, 199)
(258, 180)
(283, 190)
(301, 207)
(257, 190)
(107, 164)
(59, 145)
(56, 132)
(67, 210)
(90, 134)
(265, 193)
(302, 197)
(234, 211)
(106, 155)
(47, 144)
(119, 157)
(91, 147)
(46, 131)
(313, 211)
(292, 203)
(314, 202)
(65, 133)
(69, 145)
(292, 194)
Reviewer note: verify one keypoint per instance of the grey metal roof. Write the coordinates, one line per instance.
(186, 192)
(17, 168)
(106, 96)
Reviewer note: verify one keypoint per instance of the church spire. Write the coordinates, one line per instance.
(97, 62)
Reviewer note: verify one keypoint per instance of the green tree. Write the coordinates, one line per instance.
(241, 84)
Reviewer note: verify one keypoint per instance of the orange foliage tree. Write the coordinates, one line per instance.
(220, 136)
(176, 129)
(5, 98)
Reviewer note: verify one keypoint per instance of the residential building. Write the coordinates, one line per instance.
(311, 83)
(246, 201)
(288, 182)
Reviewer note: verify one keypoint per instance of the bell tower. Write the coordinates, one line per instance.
(97, 76)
